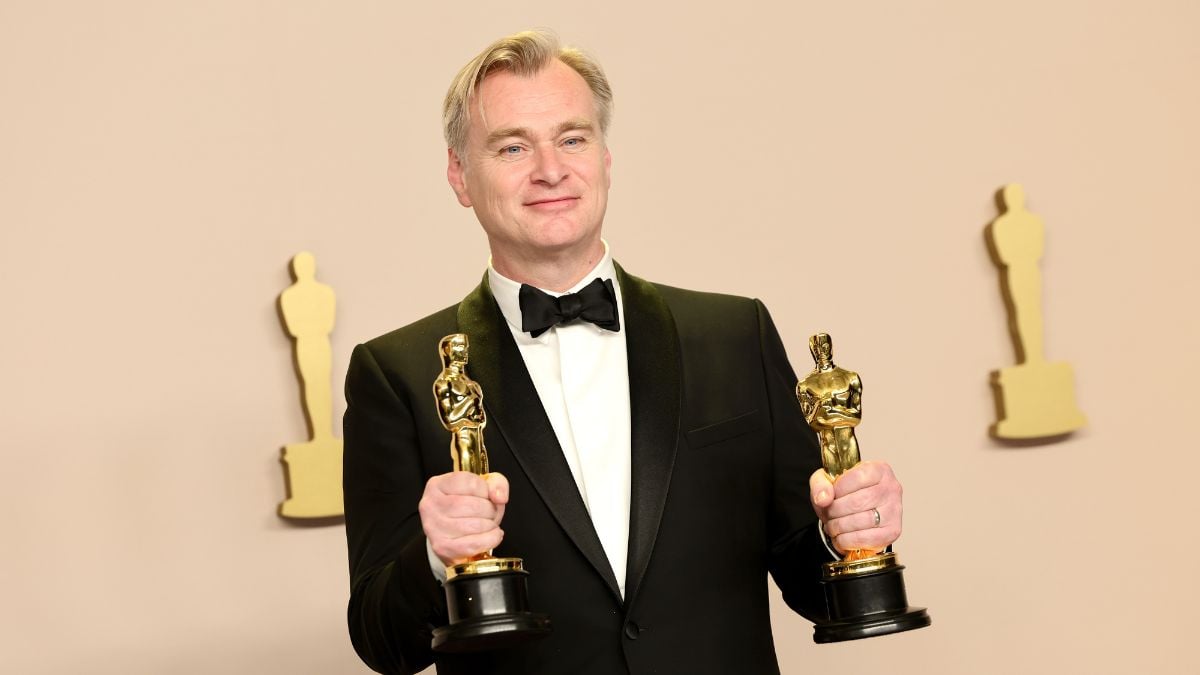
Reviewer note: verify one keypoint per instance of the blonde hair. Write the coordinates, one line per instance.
(525, 53)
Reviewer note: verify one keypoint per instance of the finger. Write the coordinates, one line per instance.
(461, 483)
(860, 476)
(875, 539)
(461, 548)
(440, 511)
(456, 506)
(440, 521)
(856, 502)
(456, 528)
(821, 489)
(497, 486)
(863, 520)
(473, 544)
(860, 530)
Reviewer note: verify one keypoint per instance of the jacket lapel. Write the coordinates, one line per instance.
(654, 401)
(515, 411)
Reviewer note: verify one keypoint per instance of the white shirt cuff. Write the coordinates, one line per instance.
(435, 563)
(824, 540)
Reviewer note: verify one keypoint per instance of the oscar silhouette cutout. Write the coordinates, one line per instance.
(314, 467)
(1035, 398)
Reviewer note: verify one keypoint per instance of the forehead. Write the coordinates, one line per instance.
(552, 95)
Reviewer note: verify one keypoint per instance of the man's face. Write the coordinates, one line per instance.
(535, 169)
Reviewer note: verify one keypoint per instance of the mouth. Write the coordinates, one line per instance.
(552, 203)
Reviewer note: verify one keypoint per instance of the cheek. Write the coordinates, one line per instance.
(500, 189)
(483, 198)
(598, 175)
(601, 183)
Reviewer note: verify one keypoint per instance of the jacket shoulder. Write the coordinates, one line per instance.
(712, 313)
(418, 339)
(700, 300)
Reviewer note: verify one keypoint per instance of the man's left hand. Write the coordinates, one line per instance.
(847, 506)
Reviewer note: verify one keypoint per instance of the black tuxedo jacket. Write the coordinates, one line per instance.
(721, 458)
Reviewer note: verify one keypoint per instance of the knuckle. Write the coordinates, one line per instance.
(457, 483)
(873, 473)
(472, 507)
(462, 482)
(857, 501)
(449, 506)
(866, 471)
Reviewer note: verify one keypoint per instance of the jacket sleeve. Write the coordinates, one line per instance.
(394, 599)
(796, 551)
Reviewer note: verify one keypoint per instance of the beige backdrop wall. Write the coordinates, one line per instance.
(161, 161)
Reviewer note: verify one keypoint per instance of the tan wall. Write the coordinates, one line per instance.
(161, 161)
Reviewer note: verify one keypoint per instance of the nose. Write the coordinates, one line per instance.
(548, 167)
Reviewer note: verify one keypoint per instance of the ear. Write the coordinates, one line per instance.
(455, 173)
(607, 165)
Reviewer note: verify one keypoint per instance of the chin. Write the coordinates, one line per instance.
(561, 235)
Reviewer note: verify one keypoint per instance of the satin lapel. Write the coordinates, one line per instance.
(654, 400)
(515, 412)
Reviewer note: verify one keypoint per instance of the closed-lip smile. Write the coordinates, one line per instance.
(547, 201)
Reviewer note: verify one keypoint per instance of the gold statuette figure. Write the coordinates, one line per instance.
(831, 399)
(865, 590)
(486, 597)
(460, 405)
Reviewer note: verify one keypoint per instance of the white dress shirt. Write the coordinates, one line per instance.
(581, 374)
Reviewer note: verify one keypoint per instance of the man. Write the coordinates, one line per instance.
(650, 470)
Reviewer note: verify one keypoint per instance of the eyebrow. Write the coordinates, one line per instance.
(577, 124)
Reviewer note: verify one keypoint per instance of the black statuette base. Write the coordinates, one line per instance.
(868, 605)
(488, 611)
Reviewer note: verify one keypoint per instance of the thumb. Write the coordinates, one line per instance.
(497, 488)
(820, 489)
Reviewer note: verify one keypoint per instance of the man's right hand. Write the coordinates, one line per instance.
(461, 512)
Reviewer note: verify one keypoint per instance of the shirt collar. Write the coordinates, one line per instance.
(506, 291)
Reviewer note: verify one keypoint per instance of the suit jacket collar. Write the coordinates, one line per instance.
(654, 402)
(516, 412)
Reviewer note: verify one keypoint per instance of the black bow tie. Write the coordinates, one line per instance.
(596, 302)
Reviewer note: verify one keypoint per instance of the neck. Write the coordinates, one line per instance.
(558, 271)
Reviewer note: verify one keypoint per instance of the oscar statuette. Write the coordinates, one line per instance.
(865, 590)
(486, 597)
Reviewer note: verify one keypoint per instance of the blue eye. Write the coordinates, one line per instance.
(511, 150)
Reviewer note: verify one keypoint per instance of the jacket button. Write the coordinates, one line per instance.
(632, 630)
